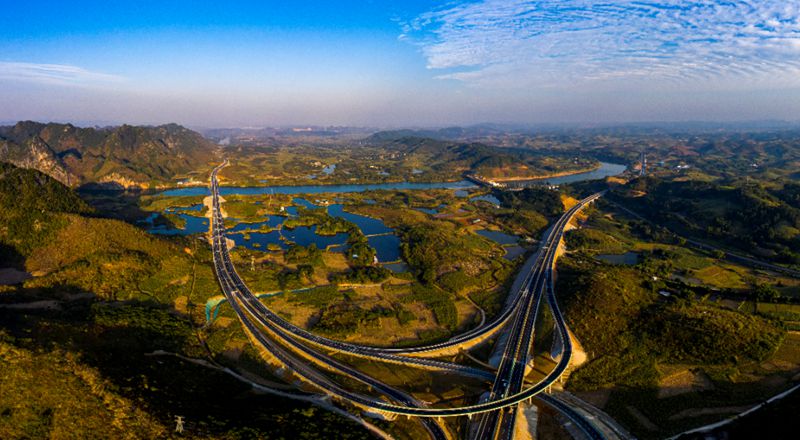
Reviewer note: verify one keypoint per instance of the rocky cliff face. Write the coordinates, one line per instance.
(114, 181)
(120, 157)
(36, 155)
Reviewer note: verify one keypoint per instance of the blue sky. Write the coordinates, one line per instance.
(421, 63)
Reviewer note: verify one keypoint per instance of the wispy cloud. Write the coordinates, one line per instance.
(59, 74)
(512, 43)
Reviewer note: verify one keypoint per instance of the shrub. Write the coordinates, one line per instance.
(440, 302)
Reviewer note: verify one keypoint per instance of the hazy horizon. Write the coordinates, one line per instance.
(417, 64)
(742, 125)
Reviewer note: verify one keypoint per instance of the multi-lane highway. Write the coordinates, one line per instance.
(292, 346)
(241, 300)
(516, 356)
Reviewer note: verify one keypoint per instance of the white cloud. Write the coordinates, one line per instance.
(540, 43)
(58, 74)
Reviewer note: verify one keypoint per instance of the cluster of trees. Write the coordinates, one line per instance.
(766, 293)
(538, 199)
(310, 254)
(431, 248)
(630, 330)
(741, 215)
(790, 193)
(347, 318)
(293, 279)
(32, 205)
(529, 222)
(360, 252)
(326, 224)
(441, 303)
(527, 211)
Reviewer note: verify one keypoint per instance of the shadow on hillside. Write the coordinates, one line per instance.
(118, 204)
(121, 205)
(777, 419)
(114, 338)
(9, 257)
(648, 416)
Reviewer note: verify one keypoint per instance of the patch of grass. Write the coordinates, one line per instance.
(439, 301)
(362, 275)
(347, 318)
(595, 241)
(160, 203)
(456, 281)
(320, 297)
(627, 328)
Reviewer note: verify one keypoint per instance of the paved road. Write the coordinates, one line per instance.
(240, 298)
(511, 371)
(279, 336)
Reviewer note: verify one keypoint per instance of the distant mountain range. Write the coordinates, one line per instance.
(225, 136)
(151, 156)
(125, 156)
(488, 131)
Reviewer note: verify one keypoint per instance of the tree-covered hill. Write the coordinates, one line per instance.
(479, 158)
(48, 230)
(32, 208)
(639, 341)
(79, 340)
(25, 190)
(126, 156)
(741, 215)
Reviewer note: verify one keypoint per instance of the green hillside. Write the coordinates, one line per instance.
(449, 156)
(656, 359)
(77, 339)
(739, 215)
(33, 209)
(125, 156)
(612, 312)
(47, 232)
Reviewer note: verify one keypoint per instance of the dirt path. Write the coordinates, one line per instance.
(579, 356)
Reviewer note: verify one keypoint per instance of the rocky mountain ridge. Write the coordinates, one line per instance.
(118, 157)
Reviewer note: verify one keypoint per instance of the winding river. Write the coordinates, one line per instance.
(606, 169)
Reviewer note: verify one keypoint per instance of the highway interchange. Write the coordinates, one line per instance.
(299, 351)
